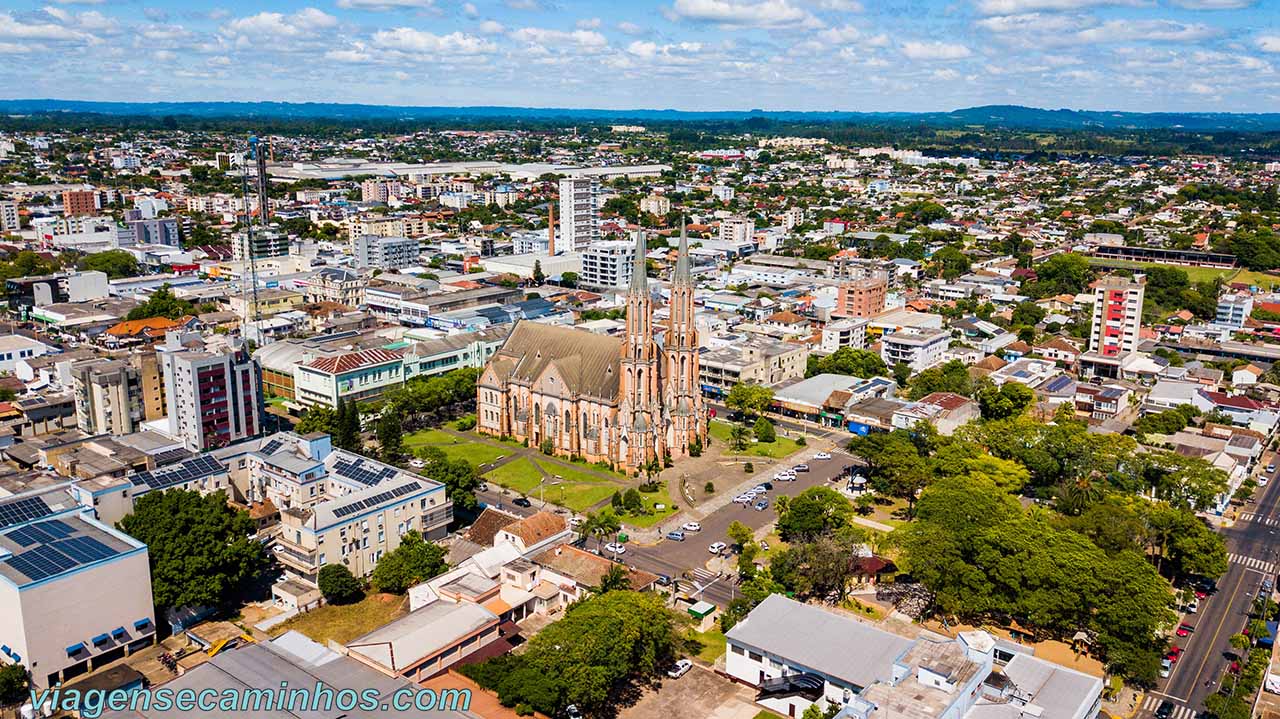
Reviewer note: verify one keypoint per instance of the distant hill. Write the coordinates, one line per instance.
(988, 116)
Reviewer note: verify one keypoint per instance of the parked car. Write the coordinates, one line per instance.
(762, 505)
(691, 527)
(681, 668)
(417, 463)
(716, 547)
(576, 521)
(800, 468)
(522, 502)
(743, 499)
(571, 712)
(1271, 468)
(1166, 667)
(1192, 606)
(676, 536)
(615, 548)
(822, 455)
(787, 476)
(663, 580)
(1184, 629)
(1175, 651)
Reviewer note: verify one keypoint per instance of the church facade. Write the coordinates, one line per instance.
(626, 400)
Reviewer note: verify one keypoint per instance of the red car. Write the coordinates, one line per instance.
(1184, 630)
(1235, 667)
(1200, 594)
(1175, 651)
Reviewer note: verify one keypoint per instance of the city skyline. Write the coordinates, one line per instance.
(1164, 55)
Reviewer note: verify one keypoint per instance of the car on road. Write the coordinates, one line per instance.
(1166, 668)
(800, 468)
(572, 712)
(822, 455)
(676, 536)
(762, 505)
(1184, 629)
(663, 580)
(786, 476)
(1192, 606)
(762, 488)
(615, 548)
(682, 667)
(691, 527)
(743, 499)
(1165, 710)
(1175, 651)
(522, 502)
(1262, 481)
(717, 547)
(1271, 468)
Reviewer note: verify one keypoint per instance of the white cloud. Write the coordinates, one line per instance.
(219, 61)
(630, 28)
(401, 75)
(378, 5)
(1201, 88)
(588, 23)
(492, 27)
(1212, 4)
(915, 50)
(650, 50)
(1015, 7)
(1269, 43)
(11, 27)
(839, 35)
(523, 4)
(587, 39)
(839, 5)
(411, 40)
(1031, 24)
(79, 2)
(745, 13)
(470, 9)
(268, 25)
(164, 55)
(1157, 30)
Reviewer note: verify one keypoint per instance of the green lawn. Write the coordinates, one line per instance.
(1198, 274)
(519, 476)
(571, 473)
(424, 437)
(713, 644)
(476, 454)
(783, 447)
(345, 622)
(579, 497)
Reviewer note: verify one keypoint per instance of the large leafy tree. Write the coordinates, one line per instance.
(202, 551)
(390, 434)
(897, 468)
(162, 303)
(847, 361)
(115, 263)
(415, 561)
(346, 425)
(1008, 400)
(815, 512)
(318, 418)
(951, 376)
(337, 584)
(13, 684)
(458, 476)
(750, 399)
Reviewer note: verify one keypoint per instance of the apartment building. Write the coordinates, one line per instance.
(863, 296)
(379, 190)
(260, 244)
(737, 230)
(335, 506)
(1234, 309)
(579, 213)
(265, 302)
(158, 231)
(75, 594)
(844, 333)
(80, 202)
(108, 396)
(608, 264)
(723, 193)
(386, 253)
(9, 220)
(756, 361)
(213, 392)
(356, 376)
(1117, 317)
(918, 348)
(658, 205)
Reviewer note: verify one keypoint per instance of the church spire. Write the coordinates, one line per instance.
(682, 275)
(639, 278)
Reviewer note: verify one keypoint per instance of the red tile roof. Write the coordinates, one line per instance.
(355, 360)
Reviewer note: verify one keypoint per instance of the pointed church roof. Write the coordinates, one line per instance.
(639, 276)
(682, 276)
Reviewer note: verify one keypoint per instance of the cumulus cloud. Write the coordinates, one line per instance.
(744, 13)
(491, 27)
(278, 25)
(380, 5)
(1269, 43)
(13, 28)
(927, 51)
(1015, 7)
(586, 39)
(651, 50)
(1157, 30)
(411, 40)
(1212, 4)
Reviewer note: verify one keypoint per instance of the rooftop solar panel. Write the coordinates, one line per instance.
(23, 510)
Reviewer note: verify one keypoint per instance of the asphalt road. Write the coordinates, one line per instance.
(1253, 549)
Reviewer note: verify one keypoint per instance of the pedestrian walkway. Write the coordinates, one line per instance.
(1152, 702)
(1258, 519)
(1252, 563)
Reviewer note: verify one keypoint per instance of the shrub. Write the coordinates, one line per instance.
(547, 447)
(709, 487)
(800, 441)
(466, 423)
(764, 430)
(748, 468)
(337, 584)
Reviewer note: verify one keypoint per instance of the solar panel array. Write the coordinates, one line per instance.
(49, 560)
(23, 510)
(272, 447)
(42, 533)
(376, 499)
(364, 472)
(192, 469)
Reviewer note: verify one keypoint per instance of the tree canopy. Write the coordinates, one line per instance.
(162, 303)
(115, 263)
(749, 398)
(847, 361)
(415, 561)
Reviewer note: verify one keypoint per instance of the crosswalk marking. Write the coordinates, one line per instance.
(1179, 712)
(1252, 563)
(1257, 519)
(701, 576)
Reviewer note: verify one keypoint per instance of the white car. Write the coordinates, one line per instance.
(717, 547)
(822, 455)
(576, 521)
(681, 668)
(615, 548)
(691, 527)
(742, 499)
(417, 463)
(784, 477)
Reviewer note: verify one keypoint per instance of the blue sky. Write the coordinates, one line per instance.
(1143, 55)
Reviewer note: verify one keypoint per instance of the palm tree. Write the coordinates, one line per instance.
(617, 577)
(739, 435)
(606, 523)
(1074, 497)
(587, 527)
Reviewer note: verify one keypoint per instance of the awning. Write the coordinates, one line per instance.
(100, 640)
(117, 633)
(6, 650)
(141, 624)
(75, 649)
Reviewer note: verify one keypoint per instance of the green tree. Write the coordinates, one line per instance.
(632, 502)
(952, 376)
(413, 562)
(347, 426)
(202, 551)
(739, 437)
(162, 303)
(896, 467)
(569, 279)
(764, 430)
(815, 512)
(950, 262)
(337, 584)
(1027, 313)
(1008, 400)
(749, 399)
(616, 578)
(390, 434)
(13, 684)
(538, 277)
(460, 478)
(317, 418)
(847, 361)
(115, 263)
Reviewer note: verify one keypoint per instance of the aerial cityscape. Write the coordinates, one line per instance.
(671, 359)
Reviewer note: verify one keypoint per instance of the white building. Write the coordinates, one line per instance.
(918, 348)
(1234, 309)
(9, 216)
(608, 264)
(386, 253)
(851, 332)
(18, 347)
(723, 193)
(579, 213)
(655, 205)
(213, 398)
(737, 230)
(1117, 317)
